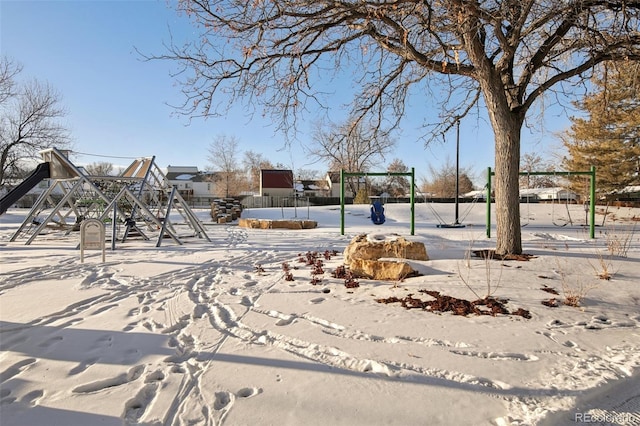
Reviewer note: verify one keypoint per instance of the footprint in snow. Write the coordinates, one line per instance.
(71, 322)
(285, 321)
(104, 309)
(16, 369)
(83, 366)
(51, 341)
(248, 392)
(135, 408)
(497, 356)
(9, 343)
(33, 397)
(223, 400)
(105, 340)
(247, 301)
(130, 326)
(131, 375)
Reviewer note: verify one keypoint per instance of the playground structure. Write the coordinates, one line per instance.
(592, 194)
(138, 202)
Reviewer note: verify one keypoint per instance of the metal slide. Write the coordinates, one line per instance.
(41, 172)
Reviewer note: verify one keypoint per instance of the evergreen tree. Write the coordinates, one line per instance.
(608, 137)
(362, 197)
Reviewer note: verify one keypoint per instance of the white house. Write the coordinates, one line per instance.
(313, 188)
(549, 194)
(479, 194)
(629, 192)
(192, 184)
(333, 182)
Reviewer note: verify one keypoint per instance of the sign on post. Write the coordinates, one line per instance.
(91, 237)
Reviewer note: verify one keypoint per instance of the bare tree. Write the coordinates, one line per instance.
(29, 115)
(308, 174)
(508, 53)
(350, 147)
(253, 162)
(8, 72)
(532, 162)
(102, 168)
(443, 180)
(223, 156)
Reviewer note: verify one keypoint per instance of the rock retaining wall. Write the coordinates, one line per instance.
(277, 224)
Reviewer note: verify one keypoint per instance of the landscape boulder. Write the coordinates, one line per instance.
(376, 246)
(380, 256)
(382, 269)
(277, 224)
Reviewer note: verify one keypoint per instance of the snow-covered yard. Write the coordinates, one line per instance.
(213, 333)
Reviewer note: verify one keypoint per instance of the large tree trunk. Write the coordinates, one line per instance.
(506, 113)
(507, 126)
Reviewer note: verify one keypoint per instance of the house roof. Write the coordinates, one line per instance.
(630, 189)
(187, 177)
(313, 184)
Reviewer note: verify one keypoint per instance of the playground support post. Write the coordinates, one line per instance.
(592, 195)
(144, 181)
(412, 194)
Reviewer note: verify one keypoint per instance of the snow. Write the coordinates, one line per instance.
(185, 176)
(213, 333)
(381, 238)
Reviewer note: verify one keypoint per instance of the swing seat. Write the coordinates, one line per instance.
(377, 213)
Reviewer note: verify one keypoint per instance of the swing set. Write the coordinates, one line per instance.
(559, 195)
(344, 174)
(592, 195)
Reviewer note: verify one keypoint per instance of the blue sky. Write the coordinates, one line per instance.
(117, 103)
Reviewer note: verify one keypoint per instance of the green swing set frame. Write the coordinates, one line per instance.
(592, 194)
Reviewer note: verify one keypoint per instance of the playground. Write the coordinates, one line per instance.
(242, 329)
(139, 201)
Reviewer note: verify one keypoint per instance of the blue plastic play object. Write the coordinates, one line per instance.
(377, 213)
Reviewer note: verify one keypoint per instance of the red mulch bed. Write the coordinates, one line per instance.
(550, 290)
(491, 254)
(443, 303)
(552, 303)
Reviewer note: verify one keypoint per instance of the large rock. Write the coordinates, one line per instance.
(385, 269)
(377, 246)
(379, 256)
